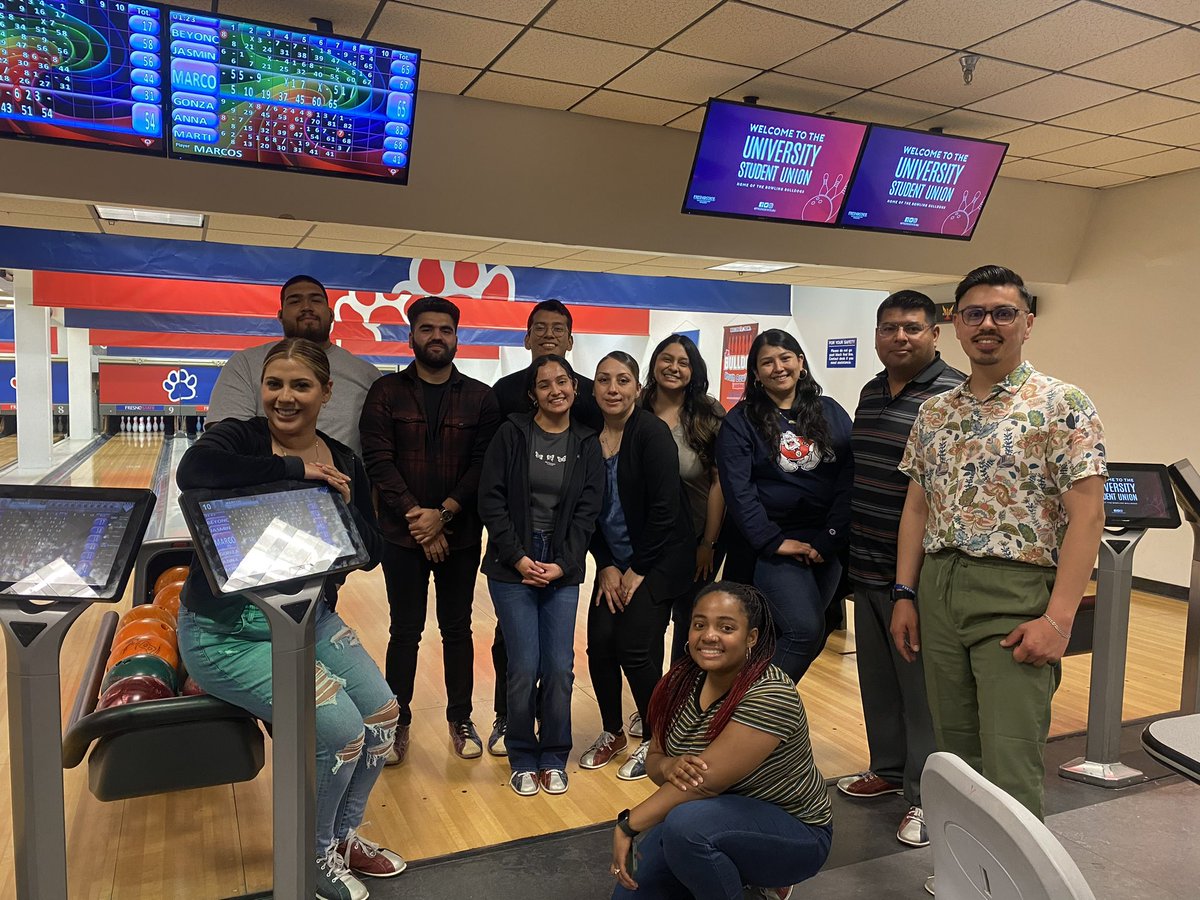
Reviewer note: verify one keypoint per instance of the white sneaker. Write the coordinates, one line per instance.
(554, 781)
(912, 829)
(634, 768)
(635, 726)
(334, 878)
(524, 784)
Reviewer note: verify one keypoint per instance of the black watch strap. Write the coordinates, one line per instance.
(623, 824)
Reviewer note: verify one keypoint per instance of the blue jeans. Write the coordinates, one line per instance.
(229, 655)
(539, 630)
(798, 595)
(708, 849)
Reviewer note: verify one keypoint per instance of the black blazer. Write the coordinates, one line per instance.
(504, 500)
(656, 511)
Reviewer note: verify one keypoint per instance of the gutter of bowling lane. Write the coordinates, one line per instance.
(60, 473)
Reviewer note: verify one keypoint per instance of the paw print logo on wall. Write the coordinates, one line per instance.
(822, 207)
(959, 221)
(13, 381)
(358, 315)
(180, 385)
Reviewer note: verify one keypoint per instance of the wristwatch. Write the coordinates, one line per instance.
(446, 515)
(623, 824)
(902, 592)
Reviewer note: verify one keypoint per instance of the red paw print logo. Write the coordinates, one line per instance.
(358, 315)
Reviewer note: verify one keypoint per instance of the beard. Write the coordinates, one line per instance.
(311, 329)
(435, 360)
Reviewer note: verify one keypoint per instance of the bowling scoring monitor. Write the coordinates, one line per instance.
(1138, 495)
(273, 535)
(69, 543)
(1186, 480)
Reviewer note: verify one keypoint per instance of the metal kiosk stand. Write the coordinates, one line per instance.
(1137, 497)
(64, 548)
(1186, 481)
(274, 545)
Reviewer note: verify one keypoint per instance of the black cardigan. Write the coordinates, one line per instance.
(236, 453)
(656, 510)
(505, 501)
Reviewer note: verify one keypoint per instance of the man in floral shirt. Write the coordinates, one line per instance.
(1002, 522)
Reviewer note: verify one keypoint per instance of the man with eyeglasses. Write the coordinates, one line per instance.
(1002, 522)
(899, 731)
(548, 330)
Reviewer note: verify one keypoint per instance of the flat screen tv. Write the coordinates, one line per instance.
(254, 94)
(756, 162)
(85, 72)
(919, 182)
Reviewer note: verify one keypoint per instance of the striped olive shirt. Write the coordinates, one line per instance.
(788, 777)
(881, 427)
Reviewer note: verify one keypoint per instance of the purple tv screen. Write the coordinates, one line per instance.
(763, 163)
(917, 182)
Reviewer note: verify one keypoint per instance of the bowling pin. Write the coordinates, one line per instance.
(141, 424)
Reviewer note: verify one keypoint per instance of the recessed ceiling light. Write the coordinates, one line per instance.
(756, 267)
(149, 216)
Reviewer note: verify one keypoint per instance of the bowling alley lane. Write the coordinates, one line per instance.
(125, 460)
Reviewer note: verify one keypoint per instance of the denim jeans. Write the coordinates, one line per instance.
(539, 631)
(708, 849)
(798, 595)
(229, 655)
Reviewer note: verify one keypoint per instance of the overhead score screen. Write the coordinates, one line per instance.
(757, 162)
(82, 71)
(253, 94)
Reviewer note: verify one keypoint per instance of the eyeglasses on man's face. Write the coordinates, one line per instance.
(541, 329)
(912, 329)
(1001, 315)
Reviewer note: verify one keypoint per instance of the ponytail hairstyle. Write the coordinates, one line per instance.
(761, 411)
(676, 687)
(701, 414)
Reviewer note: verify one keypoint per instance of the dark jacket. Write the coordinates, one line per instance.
(504, 500)
(513, 396)
(416, 463)
(237, 453)
(656, 513)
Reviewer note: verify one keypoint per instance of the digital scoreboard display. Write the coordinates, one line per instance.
(83, 72)
(253, 94)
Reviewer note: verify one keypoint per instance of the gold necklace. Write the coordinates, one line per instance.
(316, 447)
(611, 449)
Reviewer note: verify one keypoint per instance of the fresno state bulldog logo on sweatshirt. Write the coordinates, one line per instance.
(796, 453)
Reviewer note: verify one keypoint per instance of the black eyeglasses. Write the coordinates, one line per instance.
(558, 329)
(912, 329)
(1001, 315)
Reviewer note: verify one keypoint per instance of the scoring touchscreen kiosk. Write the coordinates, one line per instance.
(1138, 495)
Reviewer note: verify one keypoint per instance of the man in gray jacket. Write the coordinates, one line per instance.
(304, 312)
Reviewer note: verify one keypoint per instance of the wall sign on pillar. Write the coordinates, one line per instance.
(841, 353)
(734, 351)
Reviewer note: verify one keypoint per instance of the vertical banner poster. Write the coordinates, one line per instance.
(738, 339)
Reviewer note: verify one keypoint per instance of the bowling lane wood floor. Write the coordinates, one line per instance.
(216, 842)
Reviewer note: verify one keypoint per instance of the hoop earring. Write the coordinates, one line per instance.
(803, 374)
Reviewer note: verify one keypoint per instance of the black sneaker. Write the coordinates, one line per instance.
(496, 741)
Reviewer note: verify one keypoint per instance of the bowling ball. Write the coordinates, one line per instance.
(144, 612)
(140, 644)
(168, 597)
(144, 627)
(134, 689)
(145, 664)
(191, 689)
(175, 573)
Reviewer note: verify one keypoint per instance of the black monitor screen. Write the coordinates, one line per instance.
(1138, 495)
(264, 537)
(1187, 486)
(70, 546)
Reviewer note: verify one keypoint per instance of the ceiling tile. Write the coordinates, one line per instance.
(1159, 60)
(442, 36)
(249, 238)
(258, 224)
(862, 60)
(415, 251)
(519, 11)
(1094, 178)
(630, 107)
(789, 92)
(1136, 111)
(1102, 152)
(74, 209)
(686, 262)
(371, 248)
(1189, 88)
(140, 229)
(367, 233)
(683, 78)
(949, 24)
(1035, 140)
(848, 13)
(1071, 35)
(971, 124)
(689, 121)
(1046, 98)
(751, 36)
(575, 265)
(495, 258)
(430, 240)
(872, 107)
(613, 257)
(1186, 12)
(527, 91)
(942, 82)
(53, 223)
(1182, 132)
(530, 248)
(628, 21)
(349, 17)
(567, 58)
(443, 79)
(665, 272)
(1176, 160)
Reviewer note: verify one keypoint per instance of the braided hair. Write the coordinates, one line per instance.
(676, 687)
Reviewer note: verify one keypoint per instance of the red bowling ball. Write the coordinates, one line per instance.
(134, 689)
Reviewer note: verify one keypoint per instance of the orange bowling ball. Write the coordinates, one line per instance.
(143, 612)
(175, 573)
(145, 643)
(168, 597)
(146, 627)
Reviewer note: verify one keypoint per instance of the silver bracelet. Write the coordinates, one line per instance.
(1066, 636)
